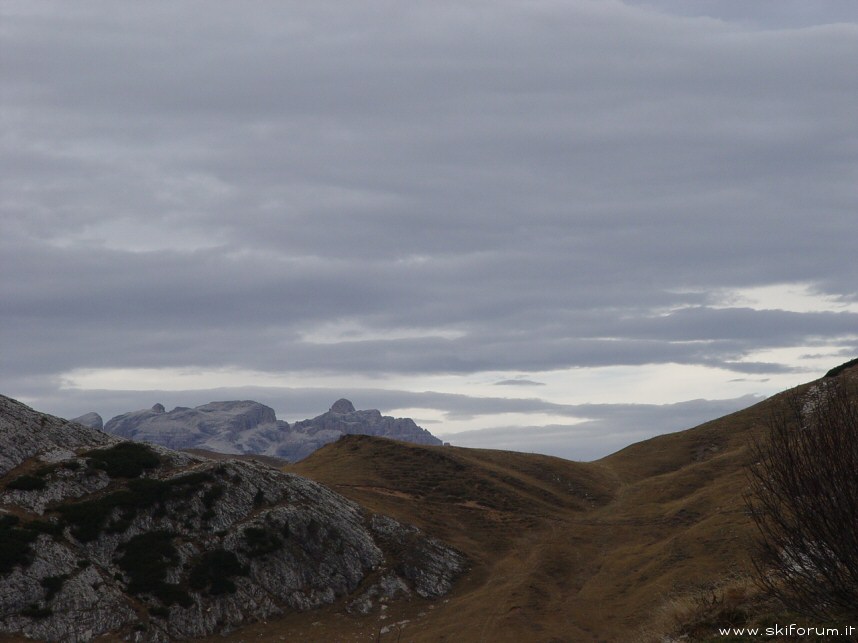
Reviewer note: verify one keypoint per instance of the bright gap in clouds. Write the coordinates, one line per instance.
(798, 298)
(346, 331)
(648, 384)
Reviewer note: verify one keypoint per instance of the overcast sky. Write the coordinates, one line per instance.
(552, 226)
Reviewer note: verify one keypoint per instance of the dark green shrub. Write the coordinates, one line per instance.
(191, 480)
(44, 527)
(8, 520)
(14, 544)
(124, 460)
(259, 498)
(26, 483)
(53, 584)
(146, 558)
(214, 570)
(46, 470)
(34, 611)
(119, 526)
(837, 370)
(210, 497)
(259, 541)
(169, 593)
(87, 518)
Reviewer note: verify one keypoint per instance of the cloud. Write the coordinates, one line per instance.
(519, 382)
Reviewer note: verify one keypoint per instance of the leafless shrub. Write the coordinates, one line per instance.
(804, 501)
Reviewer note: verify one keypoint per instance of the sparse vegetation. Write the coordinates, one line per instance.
(804, 501)
(88, 518)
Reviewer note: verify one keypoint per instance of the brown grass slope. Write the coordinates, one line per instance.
(559, 550)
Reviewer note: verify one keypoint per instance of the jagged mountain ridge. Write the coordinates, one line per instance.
(248, 427)
(100, 536)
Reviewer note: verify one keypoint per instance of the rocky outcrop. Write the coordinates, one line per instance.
(24, 433)
(218, 426)
(343, 419)
(92, 420)
(106, 537)
(250, 427)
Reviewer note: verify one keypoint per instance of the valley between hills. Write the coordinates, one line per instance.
(619, 549)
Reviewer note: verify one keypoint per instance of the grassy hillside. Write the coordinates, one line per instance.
(615, 550)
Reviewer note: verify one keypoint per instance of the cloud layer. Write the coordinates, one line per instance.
(382, 190)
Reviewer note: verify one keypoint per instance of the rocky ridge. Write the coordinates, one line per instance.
(103, 536)
(248, 427)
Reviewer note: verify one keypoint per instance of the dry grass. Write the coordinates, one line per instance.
(649, 544)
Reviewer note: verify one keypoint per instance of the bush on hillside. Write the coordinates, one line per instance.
(27, 483)
(804, 501)
(124, 460)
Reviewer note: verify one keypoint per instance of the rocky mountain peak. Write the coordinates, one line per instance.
(343, 406)
(159, 408)
(92, 420)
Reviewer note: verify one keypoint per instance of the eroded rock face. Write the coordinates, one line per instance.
(104, 537)
(343, 406)
(92, 420)
(343, 419)
(251, 427)
(218, 424)
(24, 433)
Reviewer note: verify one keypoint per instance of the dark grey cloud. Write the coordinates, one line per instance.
(535, 186)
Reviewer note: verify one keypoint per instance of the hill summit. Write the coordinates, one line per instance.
(248, 427)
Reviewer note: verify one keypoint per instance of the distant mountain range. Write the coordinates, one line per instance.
(248, 427)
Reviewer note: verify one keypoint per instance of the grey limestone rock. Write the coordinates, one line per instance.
(218, 426)
(25, 434)
(230, 541)
(342, 406)
(92, 420)
(251, 427)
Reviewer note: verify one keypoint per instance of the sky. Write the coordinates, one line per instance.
(541, 225)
